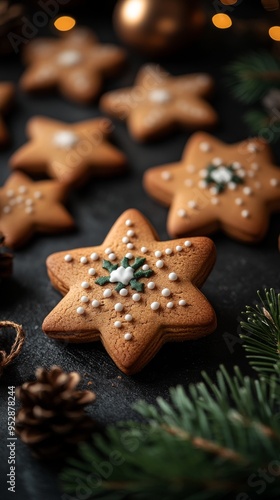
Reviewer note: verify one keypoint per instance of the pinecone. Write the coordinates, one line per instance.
(52, 420)
(6, 261)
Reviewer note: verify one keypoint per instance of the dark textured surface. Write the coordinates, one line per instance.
(28, 297)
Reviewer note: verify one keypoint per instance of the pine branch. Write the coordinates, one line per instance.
(262, 335)
(252, 75)
(200, 445)
(258, 121)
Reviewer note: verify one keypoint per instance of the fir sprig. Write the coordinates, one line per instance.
(217, 438)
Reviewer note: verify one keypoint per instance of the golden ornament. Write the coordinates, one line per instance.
(158, 27)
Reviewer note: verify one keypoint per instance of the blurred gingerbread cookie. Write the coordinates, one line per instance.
(69, 152)
(159, 103)
(7, 95)
(11, 22)
(76, 64)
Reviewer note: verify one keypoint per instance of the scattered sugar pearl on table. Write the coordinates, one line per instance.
(80, 310)
(85, 284)
(95, 303)
(144, 249)
(118, 307)
(127, 336)
(168, 251)
(155, 306)
(274, 182)
(91, 271)
(169, 305)
(136, 297)
(94, 256)
(123, 292)
(125, 239)
(84, 299)
(165, 292)
(159, 264)
(245, 214)
(172, 277)
(83, 260)
(107, 293)
(128, 222)
(68, 257)
(151, 285)
(117, 324)
(182, 302)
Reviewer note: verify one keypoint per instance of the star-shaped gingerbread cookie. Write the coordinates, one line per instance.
(159, 103)
(70, 153)
(27, 207)
(7, 95)
(232, 187)
(76, 64)
(133, 292)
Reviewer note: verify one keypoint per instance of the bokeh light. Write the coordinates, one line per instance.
(222, 21)
(274, 33)
(64, 23)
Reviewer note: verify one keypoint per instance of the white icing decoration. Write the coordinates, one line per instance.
(165, 292)
(127, 336)
(69, 58)
(122, 275)
(182, 302)
(221, 174)
(84, 299)
(172, 277)
(94, 256)
(65, 139)
(68, 257)
(85, 284)
(95, 303)
(159, 264)
(159, 96)
(136, 297)
(91, 271)
(128, 317)
(155, 306)
(83, 260)
(107, 293)
(80, 310)
(117, 324)
(151, 285)
(118, 307)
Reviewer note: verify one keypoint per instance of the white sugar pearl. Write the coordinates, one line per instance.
(6, 209)
(236, 165)
(151, 285)
(19, 199)
(85, 284)
(108, 250)
(182, 302)
(158, 253)
(10, 193)
(84, 299)
(123, 292)
(215, 201)
(232, 186)
(252, 148)
(22, 189)
(95, 303)
(118, 324)
(80, 310)
(136, 297)
(37, 195)
(155, 306)
(94, 256)
(91, 271)
(274, 182)
(172, 277)
(29, 202)
(203, 173)
(128, 317)
(217, 161)
(159, 264)
(118, 307)
(247, 190)
(181, 212)
(29, 210)
(213, 190)
(68, 257)
(130, 246)
(144, 249)
(127, 336)
(188, 243)
(169, 305)
(130, 233)
(168, 251)
(125, 239)
(107, 293)
(165, 175)
(112, 256)
(192, 204)
(83, 260)
(245, 214)
(129, 256)
(205, 147)
(179, 248)
(128, 222)
(165, 292)
(145, 267)
(239, 201)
